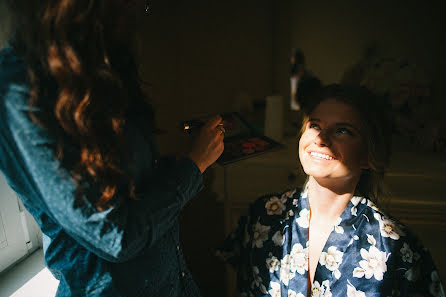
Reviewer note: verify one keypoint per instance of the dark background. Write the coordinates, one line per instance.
(204, 57)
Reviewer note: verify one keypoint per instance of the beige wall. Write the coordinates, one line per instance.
(334, 34)
(200, 55)
(4, 24)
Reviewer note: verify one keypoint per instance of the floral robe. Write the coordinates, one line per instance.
(367, 253)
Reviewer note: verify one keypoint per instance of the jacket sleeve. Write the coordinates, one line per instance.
(117, 234)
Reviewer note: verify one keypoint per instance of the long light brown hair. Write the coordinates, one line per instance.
(376, 125)
(85, 84)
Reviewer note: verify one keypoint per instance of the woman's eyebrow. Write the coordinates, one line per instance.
(337, 124)
(348, 125)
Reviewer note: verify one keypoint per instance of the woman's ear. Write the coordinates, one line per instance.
(365, 163)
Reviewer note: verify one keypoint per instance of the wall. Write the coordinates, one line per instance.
(4, 24)
(334, 34)
(199, 56)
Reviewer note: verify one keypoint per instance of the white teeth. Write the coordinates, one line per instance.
(319, 155)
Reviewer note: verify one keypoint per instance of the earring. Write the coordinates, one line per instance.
(147, 8)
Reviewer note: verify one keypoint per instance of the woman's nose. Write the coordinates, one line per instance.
(322, 139)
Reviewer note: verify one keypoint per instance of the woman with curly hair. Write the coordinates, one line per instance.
(329, 239)
(76, 145)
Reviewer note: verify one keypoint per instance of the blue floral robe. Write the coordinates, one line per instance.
(367, 253)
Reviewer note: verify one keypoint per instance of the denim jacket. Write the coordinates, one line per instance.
(131, 249)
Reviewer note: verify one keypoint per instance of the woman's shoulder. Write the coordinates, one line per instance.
(12, 65)
(389, 230)
(13, 76)
(402, 250)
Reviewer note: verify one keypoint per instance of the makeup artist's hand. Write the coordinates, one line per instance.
(208, 145)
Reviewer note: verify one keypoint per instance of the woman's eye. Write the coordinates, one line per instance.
(344, 131)
(314, 126)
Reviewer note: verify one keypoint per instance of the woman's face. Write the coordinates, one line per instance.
(332, 144)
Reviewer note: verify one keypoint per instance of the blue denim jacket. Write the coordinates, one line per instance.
(131, 249)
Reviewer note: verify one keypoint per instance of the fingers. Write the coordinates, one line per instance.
(213, 122)
(221, 129)
(219, 145)
(208, 146)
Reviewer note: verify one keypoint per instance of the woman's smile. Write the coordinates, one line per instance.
(321, 156)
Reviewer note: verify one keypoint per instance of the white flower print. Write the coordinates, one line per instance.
(388, 227)
(337, 228)
(371, 205)
(275, 290)
(416, 256)
(406, 253)
(275, 206)
(272, 264)
(295, 202)
(304, 193)
(413, 274)
(351, 240)
(355, 201)
(352, 292)
(371, 239)
(260, 234)
(332, 259)
(258, 282)
(304, 218)
(321, 290)
(278, 238)
(288, 194)
(285, 273)
(299, 259)
(374, 264)
(337, 274)
(435, 288)
(247, 238)
(292, 293)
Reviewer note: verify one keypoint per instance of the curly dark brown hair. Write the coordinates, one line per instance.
(85, 84)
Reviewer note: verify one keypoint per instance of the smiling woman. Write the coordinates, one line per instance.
(330, 238)
(358, 127)
(332, 146)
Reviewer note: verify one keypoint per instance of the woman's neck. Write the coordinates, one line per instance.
(328, 200)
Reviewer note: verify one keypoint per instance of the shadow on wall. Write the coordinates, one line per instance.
(4, 24)
(418, 116)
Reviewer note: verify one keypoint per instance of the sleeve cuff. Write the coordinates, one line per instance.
(190, 178)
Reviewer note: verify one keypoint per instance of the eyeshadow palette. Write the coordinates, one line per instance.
(242, 140)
